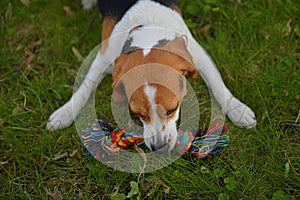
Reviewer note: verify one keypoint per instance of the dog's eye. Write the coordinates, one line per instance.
(169, 112)
(142, 116)
(137, 118)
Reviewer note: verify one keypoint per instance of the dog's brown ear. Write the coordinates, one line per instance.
(192, 71)
(190, 67)
(119, 93)
(178, 47)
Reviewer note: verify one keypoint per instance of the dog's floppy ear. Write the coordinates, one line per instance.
(190, 67)
(178, 47)
(124, 85)
(119, 93)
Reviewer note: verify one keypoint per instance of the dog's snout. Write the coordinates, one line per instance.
(154, 146)
(160, 141)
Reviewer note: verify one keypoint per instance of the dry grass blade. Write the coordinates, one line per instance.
(68, 11)
(25, 2)
(143, 155)
(60, 155)
(77, 54)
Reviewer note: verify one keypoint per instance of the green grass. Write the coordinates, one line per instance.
(258, 61)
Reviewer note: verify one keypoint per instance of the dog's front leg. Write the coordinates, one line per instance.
(239, 113)
(65, 115)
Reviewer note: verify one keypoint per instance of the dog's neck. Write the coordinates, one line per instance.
(156, 37)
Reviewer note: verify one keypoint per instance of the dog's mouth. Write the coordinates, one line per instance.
(159, 143)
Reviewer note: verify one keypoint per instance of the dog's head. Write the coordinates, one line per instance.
(155, 88)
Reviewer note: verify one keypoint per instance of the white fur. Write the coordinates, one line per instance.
(153, 33)
(153, 15)
(150, 92)
(159, 131)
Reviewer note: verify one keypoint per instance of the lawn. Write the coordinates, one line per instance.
(256, 46)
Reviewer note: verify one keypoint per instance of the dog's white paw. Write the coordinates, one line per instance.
(61, 118)
(240, 114)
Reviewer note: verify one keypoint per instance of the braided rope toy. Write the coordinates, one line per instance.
(110, 140)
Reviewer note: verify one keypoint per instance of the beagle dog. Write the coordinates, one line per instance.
(149, 40)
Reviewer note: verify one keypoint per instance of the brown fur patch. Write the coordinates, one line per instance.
(139, 104)
(176, 8)
(107, 27)
(175, 55)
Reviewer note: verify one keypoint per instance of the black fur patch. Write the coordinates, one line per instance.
(161, 43)
(127, 48)
(117, 8)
